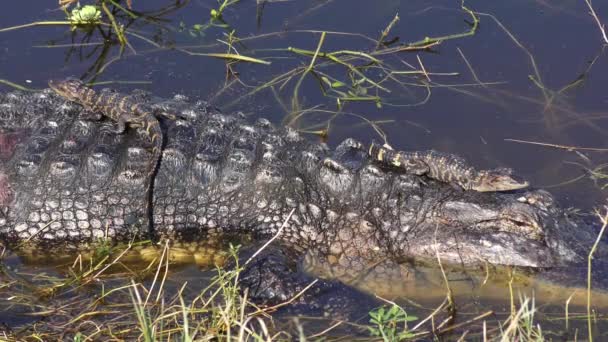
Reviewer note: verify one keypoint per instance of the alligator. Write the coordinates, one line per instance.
(67, 182)
(448, 168)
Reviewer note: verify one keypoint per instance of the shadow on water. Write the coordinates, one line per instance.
(484, 81)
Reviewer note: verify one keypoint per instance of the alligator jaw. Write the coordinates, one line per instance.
(495, 249)
(68, 88)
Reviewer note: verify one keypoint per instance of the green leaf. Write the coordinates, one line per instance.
(337, 84)
(235, 57)
(87, 14)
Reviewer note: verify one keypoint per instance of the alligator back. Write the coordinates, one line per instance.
(67, 179)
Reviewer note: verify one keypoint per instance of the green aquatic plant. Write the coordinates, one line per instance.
(216, 20)
(85, 15)
(386, 323)
(217, 13)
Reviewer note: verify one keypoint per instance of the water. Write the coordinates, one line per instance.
(536, 73)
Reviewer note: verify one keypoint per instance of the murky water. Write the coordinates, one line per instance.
(532, 71)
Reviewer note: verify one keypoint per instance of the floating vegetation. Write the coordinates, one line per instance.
(86, 15)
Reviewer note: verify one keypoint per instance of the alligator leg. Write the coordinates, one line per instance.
(90, 115)
(273, 279)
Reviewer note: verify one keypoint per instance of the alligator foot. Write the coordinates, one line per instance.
(272, 279)
(90, 115)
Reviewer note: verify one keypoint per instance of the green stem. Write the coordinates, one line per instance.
(121, 37)
(129, 13)
(428, 40)
(597, 241)
(36, 23)
(295, 107)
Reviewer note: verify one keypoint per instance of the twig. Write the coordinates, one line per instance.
(566, 313)
(322, 333)
(430, 316)
(472, 31)
(473, 73)
(563, 147)
(294, 101)
(128, 248)
(522, 48)
(117, 29)
(386, 31)
(462, 324)
(278, 233)
(36, 23)
(162, 283)
(597, 20)
(426, 74)
(15, 85)
(297, 295)
(604, 220)
(160, 264)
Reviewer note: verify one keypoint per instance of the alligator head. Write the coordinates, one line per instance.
(523, 229)
(430, 220)
(501, 179)
(71, 89)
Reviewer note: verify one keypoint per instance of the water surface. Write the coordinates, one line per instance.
(532, 71)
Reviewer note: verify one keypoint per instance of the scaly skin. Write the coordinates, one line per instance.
(446, 168)
(68, 183)
(124, 110)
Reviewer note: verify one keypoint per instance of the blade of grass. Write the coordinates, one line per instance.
(295, 106)
(604, 220)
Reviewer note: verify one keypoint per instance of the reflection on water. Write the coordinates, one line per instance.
(67, 289)
(427, 284)
(512, 79)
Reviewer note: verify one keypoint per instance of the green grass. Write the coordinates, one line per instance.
(112, 299)
(391, 324)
